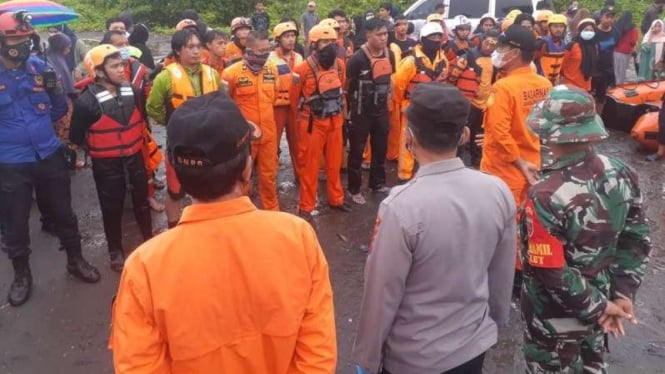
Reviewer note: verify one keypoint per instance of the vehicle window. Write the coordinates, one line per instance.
(469, 8)
(424, 10)
(503, 7)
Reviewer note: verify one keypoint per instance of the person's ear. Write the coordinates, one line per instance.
(247, 172)
(464, 138)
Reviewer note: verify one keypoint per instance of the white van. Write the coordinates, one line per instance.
(472, 9)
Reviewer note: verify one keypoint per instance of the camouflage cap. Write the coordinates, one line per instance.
(567, 115)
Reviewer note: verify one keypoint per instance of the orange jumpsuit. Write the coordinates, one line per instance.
(395, 114)
(404, 80)
(284, 117)
(571, 70)
(317, 136)
(219, 67)
(262, 305)
(507, 137)
(255, 96)
(234, 53)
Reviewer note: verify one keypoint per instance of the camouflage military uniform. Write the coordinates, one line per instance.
(585, 240)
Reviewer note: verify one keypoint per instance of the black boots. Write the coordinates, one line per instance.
(117, 261)
(81, 269)
(21, 287)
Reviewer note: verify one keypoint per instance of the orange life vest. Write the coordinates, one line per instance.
(465, 74)
(233, 53)
(456, 48)
(326, 101)
(426, 75)
(152, 156)
(285, 75)
(182, 88)
(119, 131)
(374, 86)
(549, 64)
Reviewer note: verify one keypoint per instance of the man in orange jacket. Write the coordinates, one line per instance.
(252, 84)
(317, 98)
(510, 150)
(285, 60)
(240, 28)
(427, 64)
(261, 305)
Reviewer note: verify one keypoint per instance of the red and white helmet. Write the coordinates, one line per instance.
(16, 24)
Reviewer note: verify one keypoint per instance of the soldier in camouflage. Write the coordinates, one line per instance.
(585, 241)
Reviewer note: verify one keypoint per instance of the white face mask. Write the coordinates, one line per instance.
(587, 35)
(124, 53)
(497, 59)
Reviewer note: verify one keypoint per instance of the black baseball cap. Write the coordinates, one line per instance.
(206, 131)
(442, 107)
(608, 10)
(518, 37)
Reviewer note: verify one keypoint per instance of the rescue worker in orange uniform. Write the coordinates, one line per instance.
(427, 64)
(542, 22)
(401, 46)
(317, 101)
(137, 74)
(107, 118)
(216, 42)
(252, 84)
(240, 28)
(341, 50)
(285, 59)
(581, 56)
(460, 43)
(177, 83)
(440, 20)
(343, 38)
(510, 150)
(271, 311)
(553, 49)
(186, 24)
(368, 80)
(473, 74)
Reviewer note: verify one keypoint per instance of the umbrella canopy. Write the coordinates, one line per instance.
(44, 13)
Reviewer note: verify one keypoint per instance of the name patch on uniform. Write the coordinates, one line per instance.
(534, 95)
(243, 82)
(39, 80)
(545, 251)
(268, 78)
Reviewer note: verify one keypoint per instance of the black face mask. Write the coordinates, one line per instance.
(327, 56)
(430, 47)
(16, 53)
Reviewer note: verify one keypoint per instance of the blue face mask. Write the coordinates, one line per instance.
(124, 53)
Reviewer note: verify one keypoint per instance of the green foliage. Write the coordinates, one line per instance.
(162, 15)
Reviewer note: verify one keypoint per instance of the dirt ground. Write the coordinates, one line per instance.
(64, 327)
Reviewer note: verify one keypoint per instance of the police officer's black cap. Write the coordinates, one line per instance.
(206, 131)
(440, 107)
(520, 37)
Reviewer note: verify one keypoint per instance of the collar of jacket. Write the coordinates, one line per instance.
(209, 211)
(522, 70)
(439, 167)
(572, 159)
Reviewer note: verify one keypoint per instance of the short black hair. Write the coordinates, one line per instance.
(210, 184)
(386, 6)
(400, 17)
(180, 39)
(336, 13)
(439, 6)
(212, 35)
(490, 34)
(524, 17)
(106, 39)
(433, 139)
(290, 19)
(256, 35)
(111, 20)
(189, 14)
(374, 24)
(527, 56)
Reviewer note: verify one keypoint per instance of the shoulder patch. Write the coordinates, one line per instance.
(544, 250)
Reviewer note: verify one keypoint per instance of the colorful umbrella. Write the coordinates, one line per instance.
(44, 13)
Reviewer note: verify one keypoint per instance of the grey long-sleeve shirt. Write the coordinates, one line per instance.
(439, 276)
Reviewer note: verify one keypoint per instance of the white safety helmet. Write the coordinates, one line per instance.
(431, 28)
(461, 21)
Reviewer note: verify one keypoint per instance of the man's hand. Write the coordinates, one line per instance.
(611, 319)
(627, 306)
(529, 170)
(479, 140)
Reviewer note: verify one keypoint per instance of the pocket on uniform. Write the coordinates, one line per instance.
(6, 106)
(40, 103)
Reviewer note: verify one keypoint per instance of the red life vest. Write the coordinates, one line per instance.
(465, 74)
(137, 76)
(426, 75)
(119, 131)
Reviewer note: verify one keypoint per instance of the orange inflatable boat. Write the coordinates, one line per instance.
(645, 131)
(625, 104)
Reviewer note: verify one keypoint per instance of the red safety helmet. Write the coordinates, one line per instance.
(16, 24)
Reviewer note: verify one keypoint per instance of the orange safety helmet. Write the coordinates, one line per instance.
(283, 27)
(240, 22)
(185, 23)
(330, 22)
(322, 32)
(16, 24)
(97, 56)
